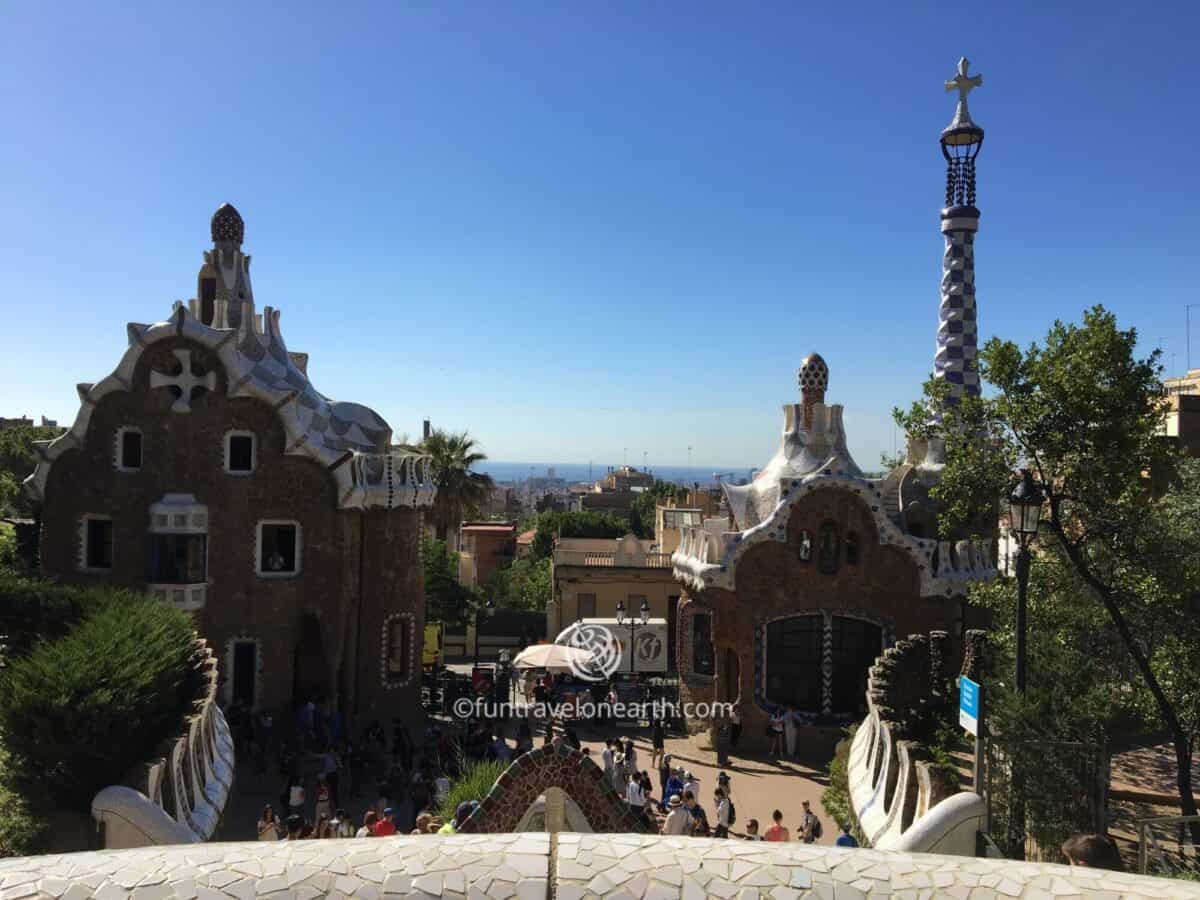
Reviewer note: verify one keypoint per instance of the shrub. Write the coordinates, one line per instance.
(78, 712)
(476, 780)
(836, 797)
(21, 833)
(31, 609)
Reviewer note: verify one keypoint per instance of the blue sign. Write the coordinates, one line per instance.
(968, 705)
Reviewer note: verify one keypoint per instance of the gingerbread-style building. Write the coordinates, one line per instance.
(208, 471)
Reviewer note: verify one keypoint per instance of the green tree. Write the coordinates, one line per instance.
(1086, 415)
(643, 515)
(446, 600)
(461, 491)
(17, 461)
(586, 524)
(526, 584)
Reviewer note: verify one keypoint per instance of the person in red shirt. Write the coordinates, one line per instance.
(387, 825)
(777, 832)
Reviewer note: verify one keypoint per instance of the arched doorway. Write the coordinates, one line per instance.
(310, 669)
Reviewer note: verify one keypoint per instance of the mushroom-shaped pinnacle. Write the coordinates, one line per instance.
(814, 379)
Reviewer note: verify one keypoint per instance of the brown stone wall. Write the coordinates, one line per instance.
(772, 582)
(184, 453)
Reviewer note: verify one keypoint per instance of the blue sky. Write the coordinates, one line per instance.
(579, 227)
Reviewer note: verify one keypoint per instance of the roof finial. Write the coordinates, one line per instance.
(814, 379)
(964, 84)
(227, 225)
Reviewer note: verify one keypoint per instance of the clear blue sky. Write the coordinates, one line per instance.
(578, 227)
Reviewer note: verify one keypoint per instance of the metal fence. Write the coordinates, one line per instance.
(1165, 846)
(1040, 793)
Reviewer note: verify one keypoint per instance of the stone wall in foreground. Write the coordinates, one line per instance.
(537, 866)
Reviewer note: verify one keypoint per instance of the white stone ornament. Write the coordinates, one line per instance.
(185, 381)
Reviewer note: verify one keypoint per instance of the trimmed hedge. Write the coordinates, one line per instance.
(112, 678)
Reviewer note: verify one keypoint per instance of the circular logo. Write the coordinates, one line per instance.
(604, 649)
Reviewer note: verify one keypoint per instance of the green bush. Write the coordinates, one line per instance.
(836, 797)
(21, 832)
(32, 609)
(79, 711)
(476, 781)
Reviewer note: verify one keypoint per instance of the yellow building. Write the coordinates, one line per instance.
(592, 575)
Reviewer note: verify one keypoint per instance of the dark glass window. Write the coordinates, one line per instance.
(704, 660)
(794, 651)
(241, 453)
(827, 552)
(397, 661)
(851, 549)
(856, 644)
(131, 449)
(587, 606)
(208, 296)
(99, 547)
(278, 550)
(176, 558)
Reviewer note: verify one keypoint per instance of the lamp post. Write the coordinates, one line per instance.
(642, 618)
(488, 607)
(1024, 515)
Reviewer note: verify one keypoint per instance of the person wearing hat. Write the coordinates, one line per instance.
(386, 826)
(691, 783)
(678, 820)
(462, 812)
(723, 784)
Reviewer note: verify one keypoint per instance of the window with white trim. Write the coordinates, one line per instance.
(396, 664)
(278, 553)
(241, 452)
(129, 449)
(96, 553)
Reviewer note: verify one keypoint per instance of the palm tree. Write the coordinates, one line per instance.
(460, 491)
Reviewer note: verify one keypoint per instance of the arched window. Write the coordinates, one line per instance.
(804, 551)
(827, 551)
(851, 548)
(396, 664)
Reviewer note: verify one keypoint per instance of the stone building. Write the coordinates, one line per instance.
(818, 568)
(208, 471)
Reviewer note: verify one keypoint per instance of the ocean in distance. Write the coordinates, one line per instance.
(577, 472)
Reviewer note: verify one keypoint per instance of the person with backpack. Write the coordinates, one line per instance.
(810, 825)
(725, 813)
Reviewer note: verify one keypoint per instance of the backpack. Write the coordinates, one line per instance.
(816, 830)
(732, 813)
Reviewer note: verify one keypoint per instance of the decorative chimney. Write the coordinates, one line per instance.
(814, 379)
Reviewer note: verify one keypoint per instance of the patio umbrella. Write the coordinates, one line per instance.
(554, 657)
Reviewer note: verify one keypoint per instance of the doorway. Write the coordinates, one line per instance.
(310, 668)
(245, 671)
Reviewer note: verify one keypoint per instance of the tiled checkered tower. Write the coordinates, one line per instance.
(957, 335)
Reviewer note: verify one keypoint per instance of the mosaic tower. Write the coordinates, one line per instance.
(957, 335)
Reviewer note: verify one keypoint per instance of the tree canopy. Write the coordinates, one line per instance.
(17, 462)
(461, 491)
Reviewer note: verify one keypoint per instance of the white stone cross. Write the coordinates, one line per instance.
(185, 381)
(962, 82)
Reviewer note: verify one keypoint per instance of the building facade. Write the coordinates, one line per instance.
(484, 549)
(817, 568)
(208, 471)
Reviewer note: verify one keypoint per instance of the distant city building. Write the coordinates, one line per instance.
(26, 422)
(209, 472)
(1183, 410)
(485, 548)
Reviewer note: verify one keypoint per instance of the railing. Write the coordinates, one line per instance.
(610, 559)
(1152, 854)
(177, 798)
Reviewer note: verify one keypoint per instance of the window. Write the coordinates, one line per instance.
(586, 604)
(208, 296)
(129, 449)
(239, 453)
(97, 543)
(856, 644)
(278, 549)
(827, 552)
(795, 651)
(704, 660)
(176, 558)
(397, 656)
(851, 549)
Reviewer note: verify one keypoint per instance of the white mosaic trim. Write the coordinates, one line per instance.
(119, 448)
(517, 867)
(705, 559)
(390, 683)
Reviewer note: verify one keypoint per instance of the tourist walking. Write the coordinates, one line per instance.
(386, 826)
(691, 784)
(296, 797)
(775, 732)
(635, 796)
(678, 820)
(630, 755)
(606, 757)
(324, 809)
(777, 832)
(664, 775)
(724, 813)
(619, 778)
(268, 826)
(658, 738)
(810, 825)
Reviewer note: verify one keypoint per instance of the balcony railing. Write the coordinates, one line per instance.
(610, 559)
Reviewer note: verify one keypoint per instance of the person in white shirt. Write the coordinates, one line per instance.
(606, 756)
(723, 810)
(691, 783)
(635, 796)
(679, 820)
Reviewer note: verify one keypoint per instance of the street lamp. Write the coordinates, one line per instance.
(1024, 515)
(488, 607)
(643, 618)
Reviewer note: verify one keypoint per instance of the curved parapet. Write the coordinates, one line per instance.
(567, 866)
(178, 797)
